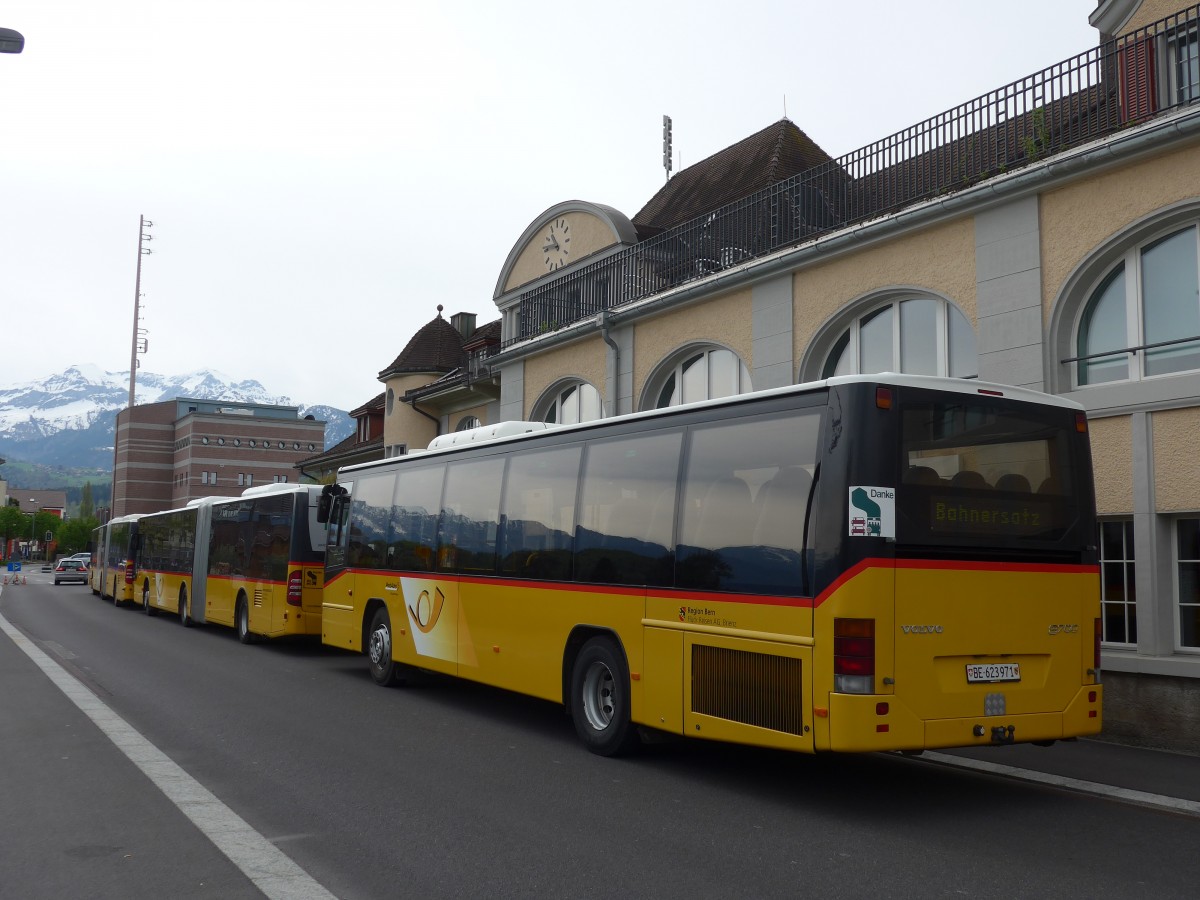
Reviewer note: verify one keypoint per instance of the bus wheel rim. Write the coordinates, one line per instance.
(598, 685)
(381, 646)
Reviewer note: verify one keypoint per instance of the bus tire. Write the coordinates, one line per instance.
(600, 699)
(146, 607)
(241, 620)
(384, 670)
(184, 619)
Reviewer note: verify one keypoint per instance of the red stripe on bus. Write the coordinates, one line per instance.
(752, 599)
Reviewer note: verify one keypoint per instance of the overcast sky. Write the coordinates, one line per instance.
(322, 175)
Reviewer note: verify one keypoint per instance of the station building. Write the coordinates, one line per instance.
(1045, 235)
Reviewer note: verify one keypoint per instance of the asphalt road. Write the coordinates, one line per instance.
(449, 789)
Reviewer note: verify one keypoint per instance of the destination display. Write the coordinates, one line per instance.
(971, 514)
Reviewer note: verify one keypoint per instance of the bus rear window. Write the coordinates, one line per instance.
(974, 472)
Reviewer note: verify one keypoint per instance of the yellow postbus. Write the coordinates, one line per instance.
(863, 563)
(165, 561)
(118, 560)
(262, 562)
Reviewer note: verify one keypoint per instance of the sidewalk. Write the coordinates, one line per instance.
(1153, 772)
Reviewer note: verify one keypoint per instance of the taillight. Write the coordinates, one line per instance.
(1096, 652)
(854, 656)
(295, 591)
(129, 573)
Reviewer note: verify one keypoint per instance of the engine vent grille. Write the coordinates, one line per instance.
(751, 688)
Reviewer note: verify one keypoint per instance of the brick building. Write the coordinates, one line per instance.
(171, 452)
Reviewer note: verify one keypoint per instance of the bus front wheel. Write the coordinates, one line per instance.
(184, 619)
(600, 699)
(384, 669)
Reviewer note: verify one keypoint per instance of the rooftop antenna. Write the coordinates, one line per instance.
(140, 342)
(667, 145)
(785, 106)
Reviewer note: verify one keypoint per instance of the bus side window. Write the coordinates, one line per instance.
(370, 512)
(539, 513)
(729, 541)
(470, 516)
(618, 539)
(414, 520)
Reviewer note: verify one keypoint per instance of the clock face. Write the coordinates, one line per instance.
(556, 244)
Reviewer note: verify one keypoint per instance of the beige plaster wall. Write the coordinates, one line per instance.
(722, 320)
(1151, 11)
(1112, 459)
(940, 259)
(583, 359)
(589, 234)
(1176, 460)
(479, 412)
(1077, 218)
(405, 425)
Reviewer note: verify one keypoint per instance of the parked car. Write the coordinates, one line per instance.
(70, 569)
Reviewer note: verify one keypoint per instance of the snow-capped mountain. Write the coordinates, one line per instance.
(67, 419)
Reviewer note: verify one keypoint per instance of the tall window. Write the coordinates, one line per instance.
(1187, 563)
(703, 375)
(579, 402)
(1147, 310)
(1184, 73)
(914, 335)
(1118, 596)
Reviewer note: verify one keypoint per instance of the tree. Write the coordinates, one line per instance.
(74, 535)
(13, 523)
(87, 505)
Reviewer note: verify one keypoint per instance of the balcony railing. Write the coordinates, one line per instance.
(1097, 93)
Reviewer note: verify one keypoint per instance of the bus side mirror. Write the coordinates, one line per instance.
(325, 504)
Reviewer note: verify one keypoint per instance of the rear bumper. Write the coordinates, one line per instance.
(857, 725)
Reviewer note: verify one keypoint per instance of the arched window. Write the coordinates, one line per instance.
(1145, 308)
(569, 404)
(700, 374)
(914, 335)
(466, 423)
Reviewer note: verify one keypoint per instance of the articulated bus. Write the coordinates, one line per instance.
(254, 562)
(864, 563)
(117, 561)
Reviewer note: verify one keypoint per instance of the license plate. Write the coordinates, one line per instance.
(987, 672)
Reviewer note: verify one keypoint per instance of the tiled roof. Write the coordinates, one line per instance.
(773, 154)
(373, 405)
(351, 446)
(437, 347)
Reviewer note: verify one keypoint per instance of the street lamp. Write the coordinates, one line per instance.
(32, 526)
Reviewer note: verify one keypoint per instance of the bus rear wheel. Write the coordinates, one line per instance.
(241, 619)
(600, 699)
(385, 670)
(184, 619)
(146, 607)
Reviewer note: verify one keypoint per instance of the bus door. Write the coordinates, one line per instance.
(995, 600)
(340, 623)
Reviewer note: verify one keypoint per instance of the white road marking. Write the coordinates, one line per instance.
(1142, 798)
(272, 871)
